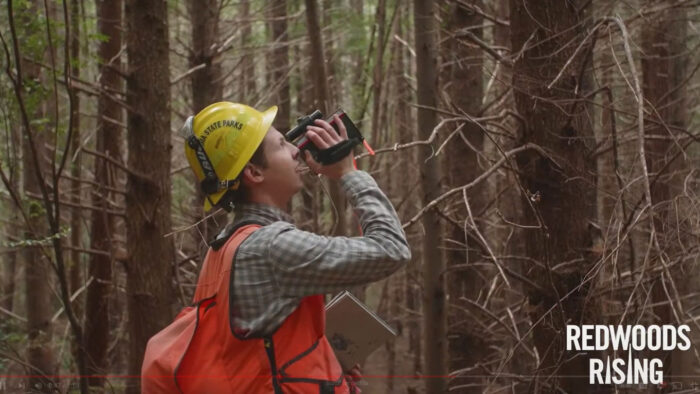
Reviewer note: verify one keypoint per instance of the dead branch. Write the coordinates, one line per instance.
(476, 181)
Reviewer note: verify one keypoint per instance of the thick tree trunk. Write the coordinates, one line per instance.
(663, 71)
(149, 268)
(561, 192)
(462, 72)
(109, 134)
(434, 313)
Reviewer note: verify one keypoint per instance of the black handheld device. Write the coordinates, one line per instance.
(297, 136)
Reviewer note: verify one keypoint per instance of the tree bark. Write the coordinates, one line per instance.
(405, 129)
(12, 256)
(280, 64)
(358, 59)
(434, 316)
(108, 137)
(37, 273)
(462, 72)
(560, 188)
(664, 91)
(75, 272)
(377, 73)
(248, 82)
(206, 86)
(38, 276)
(324, 102)
(149, 266)
(309, 195)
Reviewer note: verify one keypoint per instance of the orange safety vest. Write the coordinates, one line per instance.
(201, 351)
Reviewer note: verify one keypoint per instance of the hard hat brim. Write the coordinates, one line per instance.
(268, 116)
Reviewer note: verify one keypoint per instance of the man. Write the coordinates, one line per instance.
(259, 320)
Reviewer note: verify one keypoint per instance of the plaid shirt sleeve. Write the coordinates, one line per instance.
(304, 263)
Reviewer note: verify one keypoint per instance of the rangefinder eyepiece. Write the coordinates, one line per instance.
(302, 123)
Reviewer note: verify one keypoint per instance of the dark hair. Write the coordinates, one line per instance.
(240, 195)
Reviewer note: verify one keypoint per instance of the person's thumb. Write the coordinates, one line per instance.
(311, 162)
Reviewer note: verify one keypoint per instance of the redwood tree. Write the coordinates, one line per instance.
(463, 81)
(664, 90)
(206, 85)
(107, 144)
(150, 254)
(434, 317)
(559, 188)
(36, 168)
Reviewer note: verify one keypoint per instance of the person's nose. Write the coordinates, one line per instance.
(295, 152)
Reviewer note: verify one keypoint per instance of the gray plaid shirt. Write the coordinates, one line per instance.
(280, 264)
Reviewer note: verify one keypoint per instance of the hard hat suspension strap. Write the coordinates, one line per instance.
(211, 183)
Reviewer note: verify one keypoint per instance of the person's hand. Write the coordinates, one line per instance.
(355, 373)
(352, 376)
(323, 136)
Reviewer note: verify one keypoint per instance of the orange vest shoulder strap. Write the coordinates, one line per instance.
(219, 262)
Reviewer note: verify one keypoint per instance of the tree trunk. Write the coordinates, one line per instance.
(309, 195)
(38, 278)
(664, 91)
(75, 267)
(434, 316)
(10, 259)
(405, 129)
(280, 64)
(149, 267)
(462, 72)
(38, 271)
(109, 134)
(377, 73)
(560, 189)
(357, 59)
(324, 102)
(329, 38)
(206, 87)
(8, 273)
(248, 82)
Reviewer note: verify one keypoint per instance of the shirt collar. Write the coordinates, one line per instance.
(261, 213)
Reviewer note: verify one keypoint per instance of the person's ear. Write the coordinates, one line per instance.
(252, 175)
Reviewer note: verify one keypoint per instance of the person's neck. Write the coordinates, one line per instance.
(267, 199)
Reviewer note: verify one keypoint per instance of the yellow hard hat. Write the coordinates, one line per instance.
(219, 141)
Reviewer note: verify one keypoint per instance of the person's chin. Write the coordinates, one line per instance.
(299, 184)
